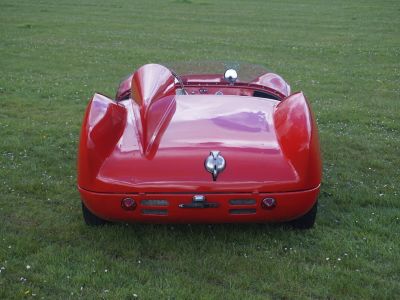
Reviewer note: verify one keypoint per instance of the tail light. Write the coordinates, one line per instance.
(128, 204)
(268, 203)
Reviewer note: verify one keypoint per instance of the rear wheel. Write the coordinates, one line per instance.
(307, 221)
(91, 219)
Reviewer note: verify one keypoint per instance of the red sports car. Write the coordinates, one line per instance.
(200, 143)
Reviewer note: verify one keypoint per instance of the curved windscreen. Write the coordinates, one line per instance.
(246, 72)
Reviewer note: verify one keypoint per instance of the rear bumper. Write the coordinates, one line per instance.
(289, 206)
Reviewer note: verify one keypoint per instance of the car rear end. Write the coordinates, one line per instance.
(154, 171)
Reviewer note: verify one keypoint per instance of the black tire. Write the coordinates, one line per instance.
(307, 221)
(91, 219)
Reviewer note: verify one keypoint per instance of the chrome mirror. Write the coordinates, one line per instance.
(231, 76)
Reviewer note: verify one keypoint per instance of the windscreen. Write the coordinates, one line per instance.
(246, 72)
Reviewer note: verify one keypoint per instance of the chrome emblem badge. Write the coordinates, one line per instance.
(215, 164)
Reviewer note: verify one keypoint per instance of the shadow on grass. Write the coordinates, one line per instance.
(182, 243)
(183, 229)
(194, 234)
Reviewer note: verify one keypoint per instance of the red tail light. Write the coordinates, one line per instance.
(268, 203)
(128, 204)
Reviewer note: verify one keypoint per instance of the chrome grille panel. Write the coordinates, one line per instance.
(242, 201)
(245, 211)
(154, 202)
(157, 212)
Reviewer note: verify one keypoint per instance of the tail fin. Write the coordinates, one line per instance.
(102, 127)
(297, 134)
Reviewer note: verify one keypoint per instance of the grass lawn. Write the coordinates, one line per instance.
(345, 56)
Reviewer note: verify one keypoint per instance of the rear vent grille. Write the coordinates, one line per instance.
(242, 211)
(154, 202)
(242, 201)
(157, 212)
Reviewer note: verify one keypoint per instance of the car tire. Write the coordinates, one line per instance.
(90, 218)
(307, 221)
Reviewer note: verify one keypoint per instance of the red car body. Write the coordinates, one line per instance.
(149, 147)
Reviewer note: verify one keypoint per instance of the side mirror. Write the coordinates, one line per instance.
(231, 76)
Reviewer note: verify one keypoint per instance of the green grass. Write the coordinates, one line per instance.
(343, 54)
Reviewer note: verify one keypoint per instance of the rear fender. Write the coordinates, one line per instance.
(273, 81)
(297, 134)
(102, 127)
